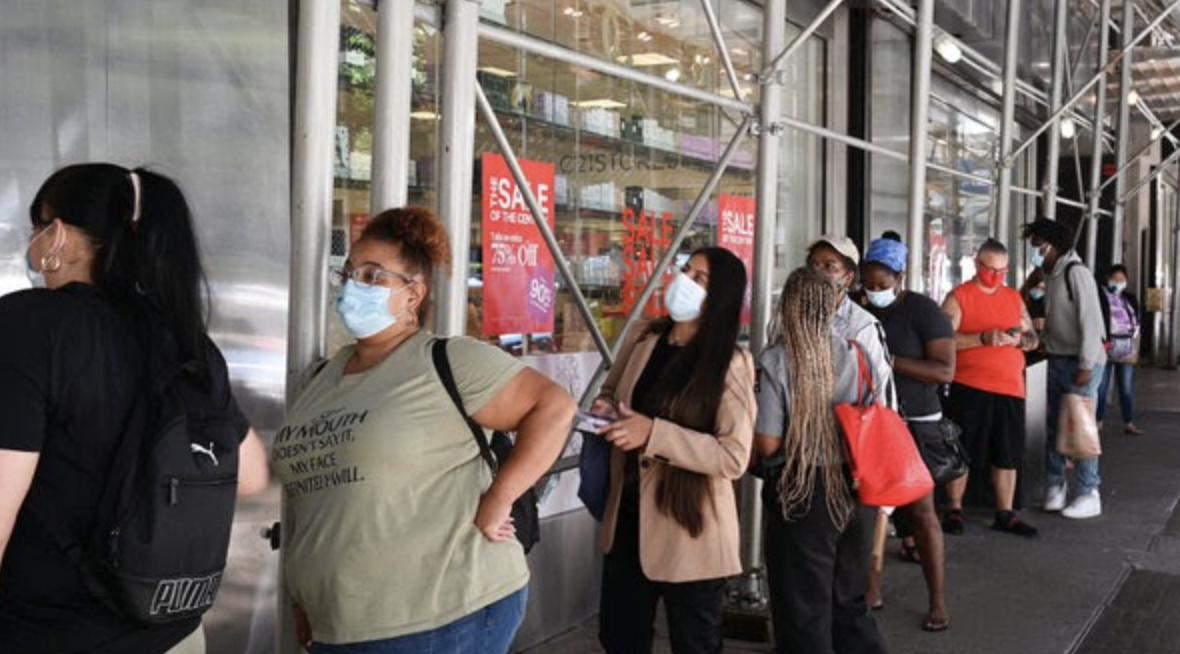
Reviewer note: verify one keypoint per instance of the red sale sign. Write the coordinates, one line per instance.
(645, 238)
(517, 267)
(735, 232)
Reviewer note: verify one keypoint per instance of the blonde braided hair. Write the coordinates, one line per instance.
(804, 320)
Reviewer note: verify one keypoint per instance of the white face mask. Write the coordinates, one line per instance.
(684, 298)
(881, 299)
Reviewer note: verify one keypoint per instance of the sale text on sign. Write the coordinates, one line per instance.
(735, 232)
(517, 267)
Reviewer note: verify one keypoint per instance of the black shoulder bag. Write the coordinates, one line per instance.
(525, 515)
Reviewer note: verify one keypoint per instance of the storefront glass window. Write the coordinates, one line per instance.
(670, 38)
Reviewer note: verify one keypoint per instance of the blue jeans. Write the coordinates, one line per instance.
(1061, 372)
(1122, 372)
(489, 630)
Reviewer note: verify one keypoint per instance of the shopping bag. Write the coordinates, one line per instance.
(1077, 429)
(887, 469)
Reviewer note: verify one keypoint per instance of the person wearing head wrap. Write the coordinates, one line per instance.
(921, 340)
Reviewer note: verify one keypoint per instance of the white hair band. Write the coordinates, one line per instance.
(135, 212)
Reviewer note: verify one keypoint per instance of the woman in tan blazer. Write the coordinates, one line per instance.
(682, 399)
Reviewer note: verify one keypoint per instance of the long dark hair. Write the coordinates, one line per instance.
(704, 364)
(152, 263)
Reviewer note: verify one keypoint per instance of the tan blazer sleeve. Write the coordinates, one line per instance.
(638, 329)
(726, 453)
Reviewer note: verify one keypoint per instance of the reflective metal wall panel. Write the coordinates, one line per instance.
(197, 90)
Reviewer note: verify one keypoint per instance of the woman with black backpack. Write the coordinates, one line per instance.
(112, 257)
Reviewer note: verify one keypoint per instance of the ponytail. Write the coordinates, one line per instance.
(145, 249)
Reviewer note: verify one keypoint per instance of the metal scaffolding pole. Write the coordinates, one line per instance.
(770, 69)
(391, 125)
(719, 39)
(1121, 143)
(457, 139)
(530, 200)
(1007, 121)
(919, 107)
(1174, 305)
(657, 274)
(1175, 156)
(1081, 93)
(1053, 156)
(313, 134)
(513, 39)
(1099, 127)
(1142, 151)
(761, 291)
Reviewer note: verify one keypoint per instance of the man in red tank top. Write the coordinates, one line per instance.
(992, 332)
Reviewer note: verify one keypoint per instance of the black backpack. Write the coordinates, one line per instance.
(1103, 302)
(525, 514)
(162, 532)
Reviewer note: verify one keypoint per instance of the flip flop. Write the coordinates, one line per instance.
(932, 625)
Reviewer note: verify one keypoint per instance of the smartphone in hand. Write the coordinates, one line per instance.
(590, 422)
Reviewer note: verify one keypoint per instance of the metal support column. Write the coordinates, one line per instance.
(919, 107)
(1146, 149)
(1053, 156)
(761, 291)
(1122, 138)
(1007, 121)
(1159, 170)
(1174, 287)
(391, 123)
(457, 139)
(317, 47)
(1096, 185)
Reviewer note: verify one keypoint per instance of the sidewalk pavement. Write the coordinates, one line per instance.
(1102, 586)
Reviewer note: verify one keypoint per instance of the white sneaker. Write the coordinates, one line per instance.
(1088, 505)
(1055, 498)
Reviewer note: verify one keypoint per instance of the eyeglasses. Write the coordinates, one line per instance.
(998, 271)
(368, 274)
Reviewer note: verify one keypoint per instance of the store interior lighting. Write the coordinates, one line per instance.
(1068, 128)
(672, 74)
(946, 47)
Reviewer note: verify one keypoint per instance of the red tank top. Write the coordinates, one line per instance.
(992, 369)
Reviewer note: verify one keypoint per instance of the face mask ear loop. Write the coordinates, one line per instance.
(51, 262)
(137, 190)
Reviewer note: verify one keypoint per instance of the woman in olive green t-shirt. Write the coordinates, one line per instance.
(398, 537)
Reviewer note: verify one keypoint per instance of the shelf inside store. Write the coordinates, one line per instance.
(607, 141)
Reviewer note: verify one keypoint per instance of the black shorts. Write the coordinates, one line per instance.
(992, 424)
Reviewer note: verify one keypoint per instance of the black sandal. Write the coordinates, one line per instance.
(909, 552)
(952, 522)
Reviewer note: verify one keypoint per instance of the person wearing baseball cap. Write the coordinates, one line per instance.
(838, 257)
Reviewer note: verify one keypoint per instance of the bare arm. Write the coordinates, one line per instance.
(541, 413)
(16, 476)
(1028, 333)
(967, 340)
(766, 446)
(936, 367)
(253, 471)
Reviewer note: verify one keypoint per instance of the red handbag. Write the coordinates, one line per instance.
(887, 469)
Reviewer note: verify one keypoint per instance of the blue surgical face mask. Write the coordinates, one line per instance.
(365, 309)
(1036, 293)
(1118, 287)
(1038, 258)
(881, 299)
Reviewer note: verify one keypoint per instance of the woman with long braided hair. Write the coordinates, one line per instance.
(817, 538)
